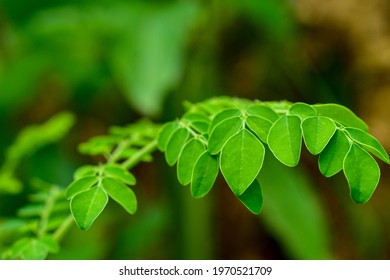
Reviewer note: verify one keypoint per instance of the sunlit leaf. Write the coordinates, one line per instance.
(241, 160)
(259, 126)
(262, 111)
(317, 131)
(118, 172)
(222, 116)
(121, 194)
(222, 132)
(368, 142)
(188, 157)
(81, 185)
(302, 110)
(285, 140)
(87, 206)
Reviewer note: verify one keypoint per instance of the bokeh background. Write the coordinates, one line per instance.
(112, 62)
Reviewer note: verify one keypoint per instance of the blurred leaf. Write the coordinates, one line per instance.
(293, 213)
(121, 194)
(362, 173)
(149, 61)
(241, 160)
(285, 140)
(204, 175)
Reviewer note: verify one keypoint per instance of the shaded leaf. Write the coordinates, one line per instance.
(187, 159)
(317, 131)
(222, 132)
(204, 175)
(252, 197)
(121, 194)
(285, 140)
(362, 173)
(241, 160)
(87, 206)
(331, 159)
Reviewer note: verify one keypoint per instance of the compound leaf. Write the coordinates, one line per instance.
(341, 114)
(241, 160)
(317, 131)
(204, 175)
(260, 126)
(175, 145)
(120, 173)
(285, 140)
(370, 143)
(87, 206)
(302, 110)
(187, 159)
(331, 159)
(222, 132)
(121, 194)
(362, 173)
(165, 134)
(81, 185)
(252, 197)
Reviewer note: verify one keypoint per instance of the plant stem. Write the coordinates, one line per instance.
(148, 149)
(64, 227)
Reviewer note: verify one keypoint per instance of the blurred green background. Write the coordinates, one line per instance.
(112, 62)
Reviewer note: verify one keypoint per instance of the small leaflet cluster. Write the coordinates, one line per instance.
(229, 135)
(92, 187)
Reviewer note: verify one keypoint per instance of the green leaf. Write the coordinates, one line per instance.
(222, 132)
(362, 173)
(259, 126)
(252, 197)
(121, 194)
(87, 206)
(370, 143)
(340, 114)
(317, 131)
(200, 126)
(262, 111)
(120, 173)
(196, 117)
(165, 134)
(302, 110)
(285, 140)
(331, 159)
(222, 116)
(188, 157)
(175, 145)
(80, 185)
(204, 175)
(241, 160)
(85, 171)
(50, 242)
(34, 250)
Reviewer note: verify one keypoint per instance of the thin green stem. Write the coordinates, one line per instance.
(148, 149)
(118, 151)
(63, 228)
